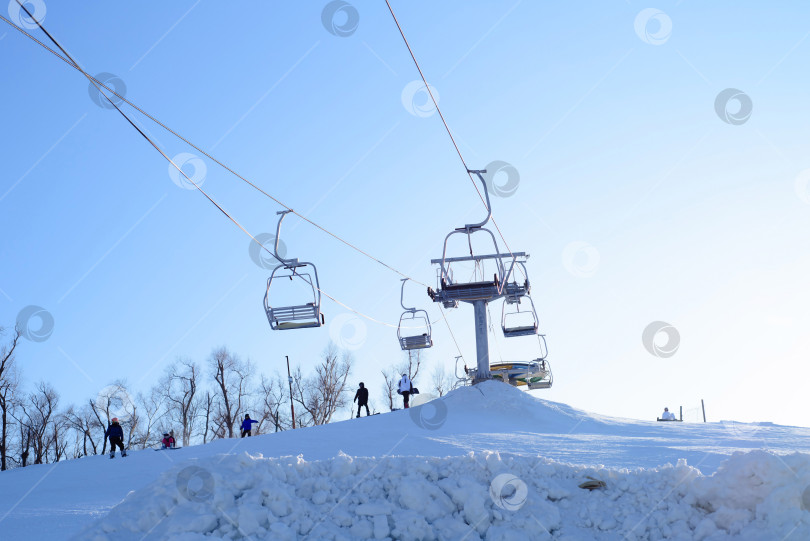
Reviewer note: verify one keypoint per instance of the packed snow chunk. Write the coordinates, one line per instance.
(281, 532)
(374, 509)
(381, 528)
(483, 496)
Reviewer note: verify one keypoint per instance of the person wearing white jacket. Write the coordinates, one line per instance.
(668, 415)
(405, 389)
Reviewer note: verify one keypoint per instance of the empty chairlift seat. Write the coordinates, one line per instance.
(413, 331)
(299, 316)
(293, 316)
(517, 322)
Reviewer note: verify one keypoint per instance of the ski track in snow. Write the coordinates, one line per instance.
(433, 478)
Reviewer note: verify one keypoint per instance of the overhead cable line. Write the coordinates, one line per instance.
(70, 62)
(97, 84)
(75, 64)
(446, 127)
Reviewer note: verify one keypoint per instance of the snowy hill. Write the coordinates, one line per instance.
(484, 462)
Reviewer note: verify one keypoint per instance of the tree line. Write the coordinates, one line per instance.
(197, 401)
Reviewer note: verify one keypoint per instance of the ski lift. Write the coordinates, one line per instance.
(516, 322)
(300, 316)
(450, 291)
(413, 319)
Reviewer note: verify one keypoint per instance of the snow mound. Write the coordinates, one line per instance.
(496, 400)
(483, 495)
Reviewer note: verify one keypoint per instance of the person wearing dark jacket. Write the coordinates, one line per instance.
(116, 435)
(247, 425)
(361, 397)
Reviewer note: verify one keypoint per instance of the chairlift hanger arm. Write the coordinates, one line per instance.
(287, 262)
(402, 297)
(469, 227)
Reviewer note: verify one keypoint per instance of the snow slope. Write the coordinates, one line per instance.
(484, 462)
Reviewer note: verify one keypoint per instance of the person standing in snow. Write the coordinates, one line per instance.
(361, 397)
(247, 425)
(668, 415)
(405, 389)
(116, 435)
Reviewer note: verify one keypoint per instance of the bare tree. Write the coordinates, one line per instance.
(58, 436)
(152, 410)
(325, 392)
(442, 381)
(411, 365)
(26, 437)
(208, 407)
(9, 380)
(39, 414)
(180, 391)
(274, 398)
(390, 379)
(85, 424)
(233, 377)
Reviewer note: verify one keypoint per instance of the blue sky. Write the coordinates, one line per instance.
(637, 202)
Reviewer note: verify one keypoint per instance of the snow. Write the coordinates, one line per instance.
(484, 462)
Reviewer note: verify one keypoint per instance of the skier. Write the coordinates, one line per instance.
(668, 415)
(168, 441)
(116, 435)
(404, 389)
(361, 397)
(247, 425)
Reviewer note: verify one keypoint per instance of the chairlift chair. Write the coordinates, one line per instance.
(299, 316)
(516, 322)
(412, 319)
(450, 291)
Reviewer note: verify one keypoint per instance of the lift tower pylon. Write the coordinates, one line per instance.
(480, 291)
